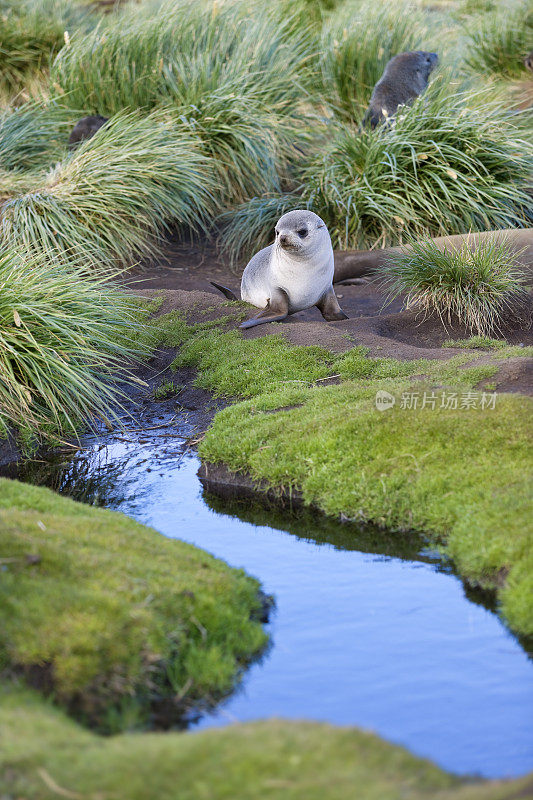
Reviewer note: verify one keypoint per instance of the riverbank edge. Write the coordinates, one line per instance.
(248, 380)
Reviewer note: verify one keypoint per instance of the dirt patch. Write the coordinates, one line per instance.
(183, 278)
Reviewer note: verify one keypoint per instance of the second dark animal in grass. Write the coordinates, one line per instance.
(292, 274)
(405, 77)
(85, 129)
(528, 61)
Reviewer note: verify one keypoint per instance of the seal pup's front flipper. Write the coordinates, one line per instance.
(225, 291)
(276, 309)
(329, 307)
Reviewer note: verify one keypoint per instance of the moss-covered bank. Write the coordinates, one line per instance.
(448, 458)
(121, 625)
(44, 755)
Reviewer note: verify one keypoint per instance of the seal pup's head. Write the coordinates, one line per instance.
(301, 233)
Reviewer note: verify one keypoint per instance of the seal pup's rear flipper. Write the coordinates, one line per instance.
(276, 309)
(353, 282)
(225, 291)
(329, 307)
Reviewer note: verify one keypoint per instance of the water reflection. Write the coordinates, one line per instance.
(372, 628)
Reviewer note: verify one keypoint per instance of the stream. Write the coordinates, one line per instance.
(370, 629)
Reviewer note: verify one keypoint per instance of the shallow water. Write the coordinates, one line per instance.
(370, 630)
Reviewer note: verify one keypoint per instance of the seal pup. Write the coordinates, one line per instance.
(528, 62)
(292, 274)
(85, 128)
(405, 77)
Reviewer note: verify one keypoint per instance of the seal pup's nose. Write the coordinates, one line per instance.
(283, 239)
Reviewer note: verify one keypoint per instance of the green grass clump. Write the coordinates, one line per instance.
(480, 284)
(31, 32)
(233, 78)
(166, 390)
(59, 346)
(45, 755)
(33, 136)
(357, 42)
(109, 201)
(500, 42)
(504, 350)
(477, 343)
(152, 629)
(450, 165)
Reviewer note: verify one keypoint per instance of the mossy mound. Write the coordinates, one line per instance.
(122, 626)
(45, 755)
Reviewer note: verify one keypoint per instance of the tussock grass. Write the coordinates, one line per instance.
(108, 202)
(479, 285)
(309, 12)
(59, 346)
(33, 135)
(450, 164)
(357, 42)
(178, 51)
(234, 78)
(31, 32)
(500, 41)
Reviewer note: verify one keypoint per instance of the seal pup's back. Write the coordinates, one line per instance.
(405, 77)
(85, 128)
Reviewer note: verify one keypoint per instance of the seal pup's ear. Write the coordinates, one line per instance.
(276, 309)
(329, 307)
(225, 291)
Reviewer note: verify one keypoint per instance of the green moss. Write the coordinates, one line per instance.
(504, 349)
(425, 468)
(44, 755)
(152, 625)
(451, 458)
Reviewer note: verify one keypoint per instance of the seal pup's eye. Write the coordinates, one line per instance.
(302, 233)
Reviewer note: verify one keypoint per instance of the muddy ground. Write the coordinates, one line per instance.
(184, 273)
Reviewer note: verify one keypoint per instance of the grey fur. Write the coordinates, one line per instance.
(405, 77)
(85, 129)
